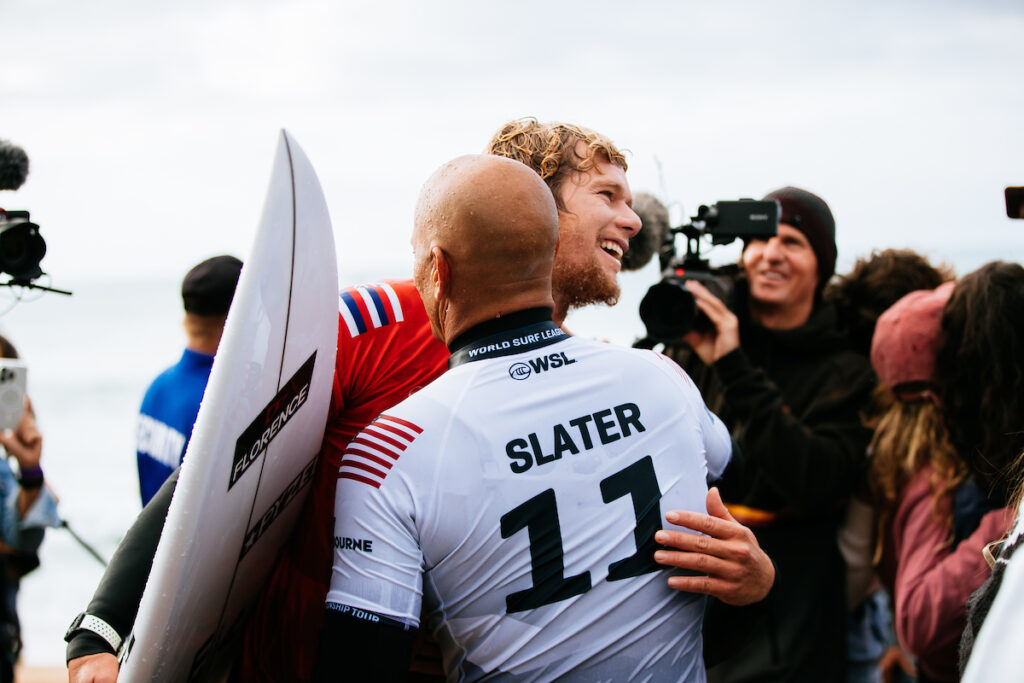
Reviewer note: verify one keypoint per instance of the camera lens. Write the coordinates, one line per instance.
(21, 250)
(668, 311)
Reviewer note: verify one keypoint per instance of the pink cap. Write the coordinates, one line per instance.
(907, 337)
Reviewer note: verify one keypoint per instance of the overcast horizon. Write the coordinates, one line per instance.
(151, 129)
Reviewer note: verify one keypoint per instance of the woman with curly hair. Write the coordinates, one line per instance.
(929, 561)
(875, 283)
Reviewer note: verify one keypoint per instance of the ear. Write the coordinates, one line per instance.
(440, 276)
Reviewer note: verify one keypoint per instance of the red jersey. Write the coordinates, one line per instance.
(386, 352)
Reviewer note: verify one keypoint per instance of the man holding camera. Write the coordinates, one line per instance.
(785, 379)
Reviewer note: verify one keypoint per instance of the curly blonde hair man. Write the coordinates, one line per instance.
(560, 152)
(553, 150)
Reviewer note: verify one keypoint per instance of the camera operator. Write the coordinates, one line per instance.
(786, 381)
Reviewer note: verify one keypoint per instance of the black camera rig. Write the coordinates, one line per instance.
(21, 246)
(668, 309)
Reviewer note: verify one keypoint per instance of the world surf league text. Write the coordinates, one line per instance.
(524, 341)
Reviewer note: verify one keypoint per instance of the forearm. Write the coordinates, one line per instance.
(932, 585)
(26, 499)
(354, 649)
(116, 600)
(28, 514)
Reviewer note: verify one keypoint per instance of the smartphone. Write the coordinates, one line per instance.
(13, 380)
(1014, 202)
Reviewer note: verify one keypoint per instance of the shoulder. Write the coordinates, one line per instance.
(385, 315)
(396, 440)
(435, 404)
(657, 364)
(167, 382)
(375, 305)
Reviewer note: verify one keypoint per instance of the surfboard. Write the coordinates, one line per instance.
(995, 656)
(254, 445)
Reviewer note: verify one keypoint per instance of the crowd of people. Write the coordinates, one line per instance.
(846, 448)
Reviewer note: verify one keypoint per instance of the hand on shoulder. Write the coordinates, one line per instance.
(734, 568)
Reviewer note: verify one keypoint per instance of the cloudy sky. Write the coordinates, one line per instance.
(151, 127)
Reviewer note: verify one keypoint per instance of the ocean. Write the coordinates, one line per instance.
(90, 358)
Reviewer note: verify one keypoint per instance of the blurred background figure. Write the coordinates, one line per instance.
(860, 296)
(26, 508)
(875, 283)
(171, 403)
(981, 386)
(933, 521)
(980, 371)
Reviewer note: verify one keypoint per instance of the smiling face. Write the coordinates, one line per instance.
(593, 234)
(783, 274)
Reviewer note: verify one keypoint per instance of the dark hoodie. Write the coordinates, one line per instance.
(792, 401)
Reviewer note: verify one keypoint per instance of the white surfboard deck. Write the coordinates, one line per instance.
(254, 446)
(995, 656)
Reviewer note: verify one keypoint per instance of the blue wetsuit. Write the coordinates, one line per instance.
(166, 417)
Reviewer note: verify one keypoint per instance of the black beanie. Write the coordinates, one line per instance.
(809, 214)
(209, 287)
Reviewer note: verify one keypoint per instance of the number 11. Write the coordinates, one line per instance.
(539, 516)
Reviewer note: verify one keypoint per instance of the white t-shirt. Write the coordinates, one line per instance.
(517, 497)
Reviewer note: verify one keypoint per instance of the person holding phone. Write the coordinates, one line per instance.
(26, 509)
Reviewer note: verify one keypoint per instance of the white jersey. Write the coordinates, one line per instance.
(516, 498)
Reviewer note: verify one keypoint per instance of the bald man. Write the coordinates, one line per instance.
(516, 498)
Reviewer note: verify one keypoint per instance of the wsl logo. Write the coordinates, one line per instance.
(551, 361)
(519, 371)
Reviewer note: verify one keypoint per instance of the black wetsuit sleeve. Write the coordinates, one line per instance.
(116, 600)
(354, 649)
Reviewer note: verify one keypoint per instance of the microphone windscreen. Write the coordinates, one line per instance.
(646, 243)
(13, 166)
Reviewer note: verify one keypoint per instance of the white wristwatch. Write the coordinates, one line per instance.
(87, 622)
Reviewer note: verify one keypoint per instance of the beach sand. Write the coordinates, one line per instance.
(40, 674)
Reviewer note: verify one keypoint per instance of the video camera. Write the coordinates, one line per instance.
(668, 309)
(21, 246)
